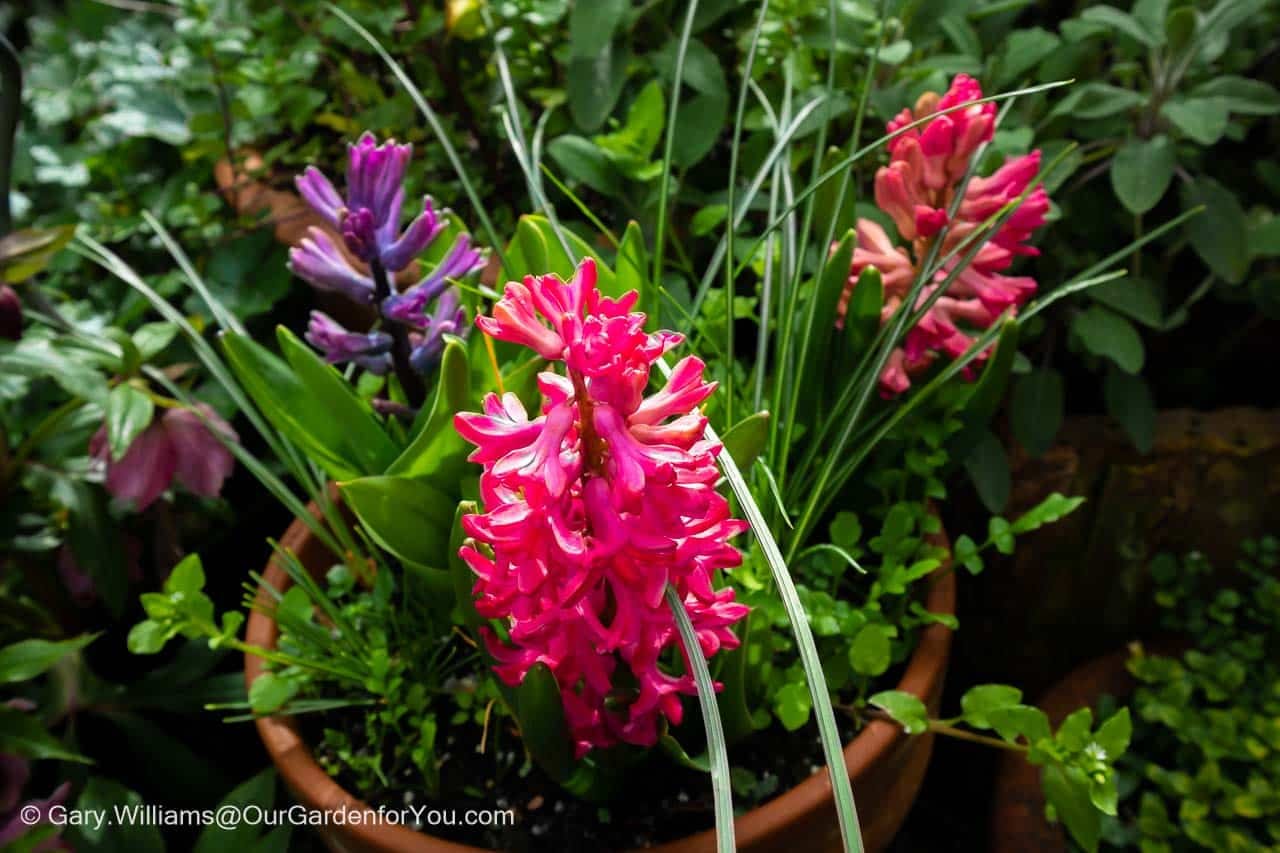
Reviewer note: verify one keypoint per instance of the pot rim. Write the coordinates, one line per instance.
(312, 785)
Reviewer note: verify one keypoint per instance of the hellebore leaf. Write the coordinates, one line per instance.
(26, 659)
(128, 413)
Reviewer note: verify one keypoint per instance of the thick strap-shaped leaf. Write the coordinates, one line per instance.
(366, 444)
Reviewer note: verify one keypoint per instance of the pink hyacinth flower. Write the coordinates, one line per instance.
(595, 505)
(917, 189)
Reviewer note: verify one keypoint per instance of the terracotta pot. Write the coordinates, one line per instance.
(1018, 823)
(1078, 588)
(886, 766)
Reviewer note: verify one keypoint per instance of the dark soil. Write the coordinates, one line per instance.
(659, 801)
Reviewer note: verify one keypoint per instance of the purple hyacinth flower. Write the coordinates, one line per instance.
(410, 307)
(318, 191)
(420, 234)
(447, 318)
(372, 350)
(323, 265)
(375, 174)
(369, 217)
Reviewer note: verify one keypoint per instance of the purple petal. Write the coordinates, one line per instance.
(318, 192)
(371, 351)
(410, 307)
(203, 461)
(14, 772)
(18, 826)
(318, 260)
(374, 175)
(415, 239)
(145, 470)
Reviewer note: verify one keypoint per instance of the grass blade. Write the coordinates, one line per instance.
(668, 149)
(828, 731)
(430, 115)
(717, 750)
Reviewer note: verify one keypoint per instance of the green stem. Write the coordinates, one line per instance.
(414, 389)
(10, 107)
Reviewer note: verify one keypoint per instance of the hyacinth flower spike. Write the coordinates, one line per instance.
(594, 504)
(374, 248)
(917, 190)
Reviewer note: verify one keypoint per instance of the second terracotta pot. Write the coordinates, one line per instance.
(885, 766)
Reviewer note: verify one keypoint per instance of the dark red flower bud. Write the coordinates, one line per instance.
(10, 314)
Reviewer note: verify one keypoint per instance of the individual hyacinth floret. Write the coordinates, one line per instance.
(916, 190)
(373, 248)
(593, 507)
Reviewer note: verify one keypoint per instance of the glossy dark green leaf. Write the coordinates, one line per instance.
(463, 578)
(407, 516)
(1141, 172)
(1022, 51)
(1136, 298)
(1066, 790)
(905, 708)
(582, 160)
(540, 713)
(437, 453)
(1105, 333)
(46, 360)
(592, 24)
(260, 792)
(989, 390)
(129, 412)
(632, 270)
(870, 651)
(26, 659)
(1202, 120)
(95, 539)
(1037, 408)
(1130, 402)
(285, 402)
(114, 836)
(1220, 234)
(988, 469)
(821, 332)
(746, 439)
(1122, 22)
(595, 83)
(366, 443)
(26, 252)
(22, 734)
(1241, 95)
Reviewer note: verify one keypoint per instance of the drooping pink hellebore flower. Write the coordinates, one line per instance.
(177, 446)
(916, 189)
(593, 506)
